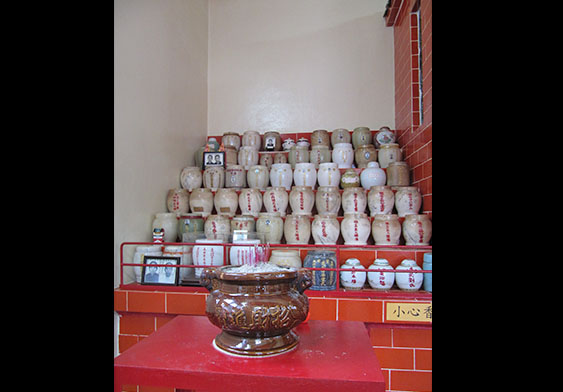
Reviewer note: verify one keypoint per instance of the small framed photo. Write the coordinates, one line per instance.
(161, 270)
(216, 158)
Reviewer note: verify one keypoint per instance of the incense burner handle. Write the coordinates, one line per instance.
(303, 281)
(206, 278)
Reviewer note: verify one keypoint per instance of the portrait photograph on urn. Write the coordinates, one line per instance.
(215, 158)
(161, 270)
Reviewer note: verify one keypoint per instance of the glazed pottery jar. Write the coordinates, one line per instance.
(231, 139)
(407, 200)
(427, 265)
(303, 142)
(212, 144)
(258, 177)
(417, 229)
(398, 174)
(214, 177)
(286, 258)
(250, 201)
(280, 158)
(301, 200)
(287, 144)
(298, 154)
(256, 311)
(252, 139)
(235, 177)
(340, 135)
(343, 155)
(244, 252)
(140, 253)
(269, 227)
(305, 174)
(383, 136)
(217, 226)
(354, 276)
(226, 201)
(328, 200)
(276, 199)
(297, 229)
(319, 154)
(380, 280)
(361, 136)
(328, 174)
(204, 255)
(178, 201)
(372, 176)
(168, 222)
(354, 199)
(381, 200)
(185, 255)
(320, 137)
(272, 141)
(243, 223)
(247, 156)
(191, 178)
(389, 153)
(355, 229)
(231, 156)
(364, 154)
(349, 179)
(386, 229)
(266, 160)
(410, 281)
(322, 280)
(281, 175)
(189, 224)
(325, 229)
(201, 201)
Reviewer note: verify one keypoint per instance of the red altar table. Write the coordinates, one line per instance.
(330, 356)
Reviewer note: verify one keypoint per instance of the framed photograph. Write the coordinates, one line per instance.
(161, 270)
(216, 158)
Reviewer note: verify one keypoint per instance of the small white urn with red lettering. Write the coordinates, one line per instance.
(355, 229)
(276, 199)
(408, 281)
(417, 229)
(354, 199)
(380, 280)
(381, 200)
(281, 175)
(297, 229)
(301, 200)
(325, 229)
(407, 200)
(250, 201)
(386, 229)
(356, 277)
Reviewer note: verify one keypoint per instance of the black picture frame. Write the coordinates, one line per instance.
(212, 159)
(163, 275)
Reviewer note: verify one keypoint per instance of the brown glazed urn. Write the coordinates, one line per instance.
(256, 311)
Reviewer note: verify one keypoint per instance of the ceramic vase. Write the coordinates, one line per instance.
(355, 229)
(322, 280)
(364, 154)
(386, 229)
(398, 174)
(243, 223)
(389, 153)
(372, 176)
(168, 222)
(328, 174)
(383, 136)
(349, 179)
(297, 229)
(298, 154)
(207, 255)
(325, 229)
(343, 155)
(214, 177)
(354, 199)
(301, 200)
(320, 137)
(258, 177)
(408, 200)
(381, 200)
(280, 158)
(226, 201)
(201, 201)
(231, 156)
(243, 252)
(250, 201)
(272, 141)
(408, 281)
(286, 258)
(354, 275)
(178, 201)
(217, 226)
(269, 227)
(319, 154)
(361, 136)
(328, 200)
(247, 156)
(417, 229)
(252, 139)
(191, 178)
(288, 143)
(281, 175)
(340, 135)
(231, 139)
(380, 280)
(235, 177)
(305, 174)
(266, 160)
(276, 199)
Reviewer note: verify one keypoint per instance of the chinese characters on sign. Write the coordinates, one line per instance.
(402, 311)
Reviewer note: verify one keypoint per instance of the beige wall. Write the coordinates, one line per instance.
(298, 65)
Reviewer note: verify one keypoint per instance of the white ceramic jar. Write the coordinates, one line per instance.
(355, 276)
(340, 135)
(207, 255)
(328, 200)
(178, 201)
(380, 280)
(248, 156)
(168, 222)
(250, 201)
(286, 258)
(244, 253)
(343, 155)
(372, 176)
(281, 175)
(201, 201)
(217, 226)
(408, 281)
(301, 200)
(389, 153)
(252, 139)
(235, 177)
(354, 199)
(269, 227)
(297, 229)
(328, 174)
(381, 200)
(191, 178)
(355, 229)
(243, 223)
(276, 199)
(266, 160)
(386, 229)
(214, 177)
(305, 174)
(258, 177)
(140, 253)
(408, 200)
(319, 154)
(398, 174)
(417, 229)
(226, 201)
(325, 229)
(298, 154)
(231, 139)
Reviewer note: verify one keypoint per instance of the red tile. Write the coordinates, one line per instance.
(322, 309)
(136, 324)
(185, 303)
(120, 300)
(148, 302)
(366, 257)
(380, 336)
(162, 320)
(412, 337)
(360, 310)
(126, 341)
(395, 358)
(423, 359)
(404, 380)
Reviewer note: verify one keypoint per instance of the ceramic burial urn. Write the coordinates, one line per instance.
(256, 310)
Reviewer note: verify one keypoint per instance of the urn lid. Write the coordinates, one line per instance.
(408, 263)
(374, 164)
(353, 262)
(381, 262)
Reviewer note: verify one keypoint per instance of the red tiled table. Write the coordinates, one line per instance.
(331, 356)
